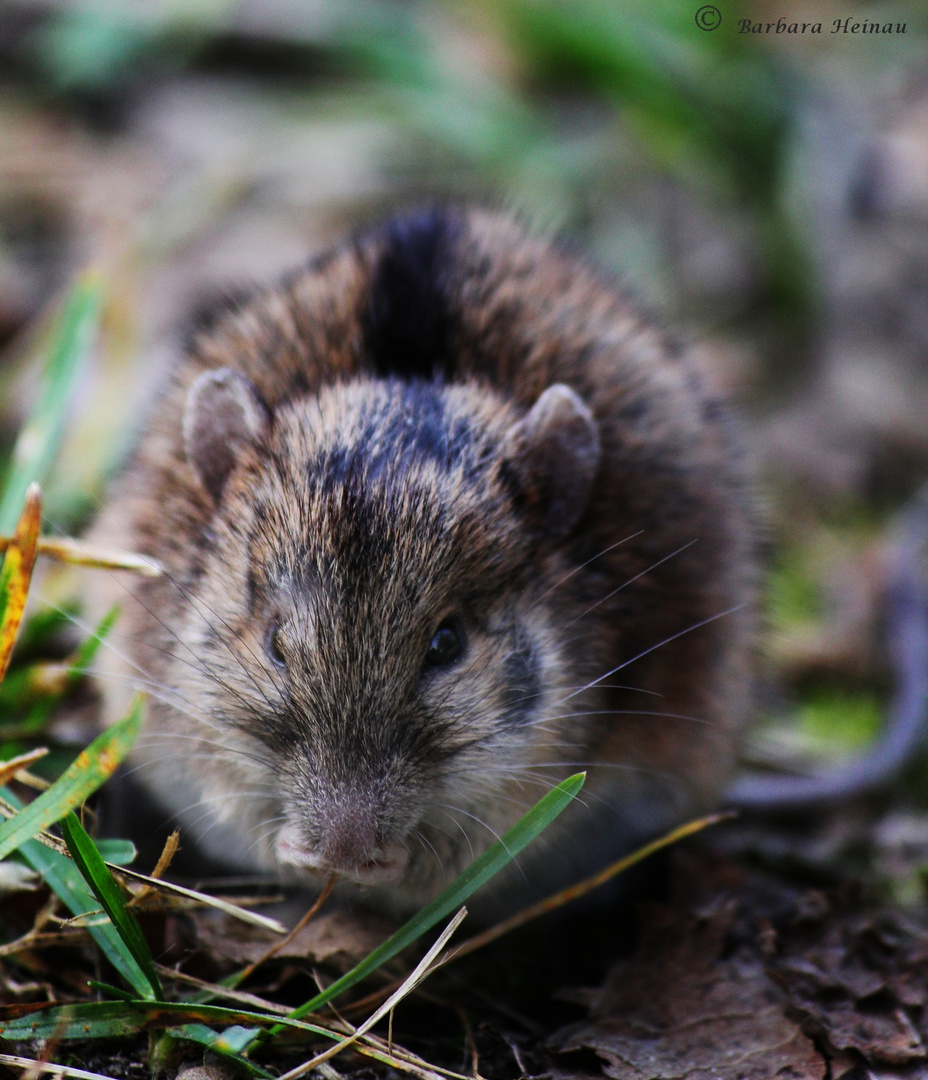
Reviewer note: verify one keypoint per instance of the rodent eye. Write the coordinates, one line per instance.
(272, 644)
(447, 645)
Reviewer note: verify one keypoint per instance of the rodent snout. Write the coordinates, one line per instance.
(348, 844)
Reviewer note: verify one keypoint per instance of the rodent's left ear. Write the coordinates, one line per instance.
(554, 452)
(224, 414)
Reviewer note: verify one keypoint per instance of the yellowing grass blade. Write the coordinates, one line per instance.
(8, 769)
(420, 972)
(16, 574)
(78, 553)
(82, 777)
(205, 899)
(31, 1067)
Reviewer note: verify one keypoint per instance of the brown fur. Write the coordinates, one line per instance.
(350, 747)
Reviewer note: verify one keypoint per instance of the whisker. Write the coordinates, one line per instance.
(630, 712)
(200, 666)
(653, 648)
(425, 842)
(576, 570)
(199, 663)
(625, 584)
(193, 601)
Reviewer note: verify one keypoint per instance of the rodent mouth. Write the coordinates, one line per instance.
(378, 873)
(387, 867)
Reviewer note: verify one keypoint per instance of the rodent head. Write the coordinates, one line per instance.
(375, 650)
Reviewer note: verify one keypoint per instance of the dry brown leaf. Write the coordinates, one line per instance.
(858, 981)
(337, 938)
(680, 1008)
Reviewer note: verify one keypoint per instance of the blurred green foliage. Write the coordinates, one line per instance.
(840, 718)
(794, 596)
(39, 439)
(713, 110)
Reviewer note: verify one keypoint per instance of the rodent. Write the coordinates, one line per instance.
(444, 519)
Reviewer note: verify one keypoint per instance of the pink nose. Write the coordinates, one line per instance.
(349, 836)
(350, 852)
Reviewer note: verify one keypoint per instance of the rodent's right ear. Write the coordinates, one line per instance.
(224, 414)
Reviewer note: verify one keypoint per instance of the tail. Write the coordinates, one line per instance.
(904, 731)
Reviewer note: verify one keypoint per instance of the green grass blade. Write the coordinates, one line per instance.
(40, 437)
(80, 662)
(101, 881)
(117, 852)
(86, 773)
(212, 1040)
(110, 990)
(86, 652)
(104, 1019)
(478, 873)
(64, 879)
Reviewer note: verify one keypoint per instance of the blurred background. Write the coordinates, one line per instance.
(763, 193)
